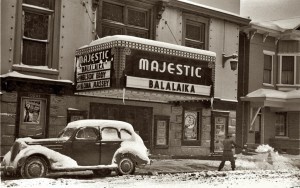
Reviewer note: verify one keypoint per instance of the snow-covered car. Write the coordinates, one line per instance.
(102, 146)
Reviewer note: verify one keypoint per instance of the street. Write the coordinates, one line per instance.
(252, 171)
(240, 178)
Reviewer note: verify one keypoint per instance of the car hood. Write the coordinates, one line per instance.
(45, 141)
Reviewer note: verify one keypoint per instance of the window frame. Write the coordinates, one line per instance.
(125, 26)
(52, 56)
(86, 139)
(269, 53)
(195, 18)
(196, 142)
(108, 140)
(285, 124)
(295, 68)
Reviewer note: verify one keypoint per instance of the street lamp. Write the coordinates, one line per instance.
(233, 61)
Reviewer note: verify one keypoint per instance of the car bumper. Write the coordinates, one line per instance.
(7, 169)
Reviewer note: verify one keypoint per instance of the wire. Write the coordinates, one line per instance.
(84, 4)
(171, 32)
(90, 17)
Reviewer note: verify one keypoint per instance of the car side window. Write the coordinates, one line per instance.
(110, 134)
(87, 134)
(125, 135)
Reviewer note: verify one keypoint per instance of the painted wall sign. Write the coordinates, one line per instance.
(93, 70)
(154, 71)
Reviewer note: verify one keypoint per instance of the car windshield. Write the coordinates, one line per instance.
(66, 133)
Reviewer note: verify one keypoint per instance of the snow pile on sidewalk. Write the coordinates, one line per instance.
(265, 159)
(264, 148)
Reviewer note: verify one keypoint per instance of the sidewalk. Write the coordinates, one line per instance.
(170, 164)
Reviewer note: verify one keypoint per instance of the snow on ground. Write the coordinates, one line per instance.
(232, 179)
(262, 170)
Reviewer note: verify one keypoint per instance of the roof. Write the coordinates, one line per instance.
(281, 25)
(271, 93)
(15, 74)
(100, 123)
(280, 100)
(211, 11)
(288, 29)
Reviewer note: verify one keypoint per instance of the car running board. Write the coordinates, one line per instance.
(81, 168)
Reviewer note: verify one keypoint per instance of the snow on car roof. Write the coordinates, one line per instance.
(100, 123)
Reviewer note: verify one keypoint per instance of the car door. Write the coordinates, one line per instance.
(86, 147)
(109, 144)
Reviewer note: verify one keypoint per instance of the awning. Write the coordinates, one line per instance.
(289, 100)
(18, 76)
(13, 81)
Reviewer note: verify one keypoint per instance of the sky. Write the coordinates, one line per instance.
(268, 10)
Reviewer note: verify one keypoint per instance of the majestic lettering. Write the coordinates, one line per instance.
(171, 68)
(93, 57)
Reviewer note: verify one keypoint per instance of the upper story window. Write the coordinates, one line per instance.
(195, 31)
(281, 124)
(124, 18)
(37, 32)
(288, 70)
(268, 67)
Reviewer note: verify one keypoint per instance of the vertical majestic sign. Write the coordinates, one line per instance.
(93, 70)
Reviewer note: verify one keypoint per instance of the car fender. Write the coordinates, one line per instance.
(137, 153)
(54, 159)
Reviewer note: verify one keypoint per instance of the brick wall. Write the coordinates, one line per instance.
(8, 120)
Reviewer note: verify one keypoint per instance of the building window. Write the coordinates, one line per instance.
(195, 31)
(288, 69)
(37, 32)
(281, 124)
(191, 128)
(124, 18)
(268, 67)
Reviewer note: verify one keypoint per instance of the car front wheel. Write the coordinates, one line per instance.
(126, 166)
(34, 167)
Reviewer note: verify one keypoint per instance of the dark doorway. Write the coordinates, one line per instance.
(138, 116)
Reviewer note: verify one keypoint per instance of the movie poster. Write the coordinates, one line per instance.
(190, 125)
(32, 110)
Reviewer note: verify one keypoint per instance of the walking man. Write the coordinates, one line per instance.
(227, 152)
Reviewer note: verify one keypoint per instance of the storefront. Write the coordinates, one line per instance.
(165, 91)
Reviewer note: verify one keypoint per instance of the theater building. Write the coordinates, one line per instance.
(167, 67)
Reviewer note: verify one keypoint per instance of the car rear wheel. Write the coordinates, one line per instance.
(126, 166)
(34, 167)
(102, 172)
